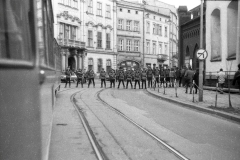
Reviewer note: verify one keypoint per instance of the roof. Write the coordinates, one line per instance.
(182, 9)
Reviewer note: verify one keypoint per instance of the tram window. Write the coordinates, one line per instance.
(16, 30)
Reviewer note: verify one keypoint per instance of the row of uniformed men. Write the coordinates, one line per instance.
(141, 74)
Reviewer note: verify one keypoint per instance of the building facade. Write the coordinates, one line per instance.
(156, 36)
(129, 34)
(189, 29)
(222, 35)
(99, 34)
(67, 32)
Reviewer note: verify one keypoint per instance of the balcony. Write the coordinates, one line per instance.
(71, 43)
(162, 57)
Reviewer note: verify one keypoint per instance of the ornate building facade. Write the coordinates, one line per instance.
(67, 32)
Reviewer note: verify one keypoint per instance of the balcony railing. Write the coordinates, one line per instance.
(71, 43)
(162, 57)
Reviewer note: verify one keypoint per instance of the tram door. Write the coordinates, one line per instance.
(20, 133)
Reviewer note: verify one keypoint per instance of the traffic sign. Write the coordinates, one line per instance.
(202, 54)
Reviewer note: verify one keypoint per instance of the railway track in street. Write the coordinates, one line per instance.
(99, 153)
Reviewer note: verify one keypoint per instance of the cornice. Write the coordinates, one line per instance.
(67, 16)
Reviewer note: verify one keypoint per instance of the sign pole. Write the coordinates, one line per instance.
(200, 97)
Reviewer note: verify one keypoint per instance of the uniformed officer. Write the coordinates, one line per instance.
(167, 74)
(68, 76)
(144, 77)
(103, 77)
(137, 78)
(80, 77)
(129, 77)
(112, 76)
(162, 77)
(90, 76)
(149, 76)
(121, 77)
(156, 75)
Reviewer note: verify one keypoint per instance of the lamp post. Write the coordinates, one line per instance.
(201, 61)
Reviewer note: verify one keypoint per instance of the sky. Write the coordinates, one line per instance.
(189, 3)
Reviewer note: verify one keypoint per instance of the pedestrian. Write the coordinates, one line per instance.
(183, 71)
(90, 76)
(121, 77)
(178, 76)
(162, 77)
(117, 77)
(221, 80)
(156, 74)
(196, 80)
(237, 78)
(103, 77)
(68, 76)
(85, 75)
(149, 76)
(188, 79)
(112, 76)
(167, 74)
(172, 77)
(137, 78)
(129, 77)
(80, 77)
(144, 77)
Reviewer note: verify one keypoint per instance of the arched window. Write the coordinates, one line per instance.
(232, 20)
(187, 57)
(195, 59)
(99, 64)
(216, 35)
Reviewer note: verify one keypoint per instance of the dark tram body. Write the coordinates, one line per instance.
(30, 68)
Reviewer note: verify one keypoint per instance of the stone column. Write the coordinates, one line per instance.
(66, 58)
(63, 55)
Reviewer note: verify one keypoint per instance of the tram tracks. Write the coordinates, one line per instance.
(95, 145)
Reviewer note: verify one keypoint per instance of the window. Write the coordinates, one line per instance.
(99, 9)
(154, 48)
(154, 28)
(108, 65)
(136, 26)
(90, 38)
(136, 12)
(120, 24)
(90, 63)
(165, 32)
(15, 33)
(148, 27)
(136, 45)
(120, 9)
(160, 30)
(120, 44)
(108, 11)
(99, 63)
(166, 49)
(128, 27)
(129, 45)
(108, 40)
(73, 32)
(148, 48)
(160, 48)
(99, 39)
(129, 11)
(67, 31)
(90, 6)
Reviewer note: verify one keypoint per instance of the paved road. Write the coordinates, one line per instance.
(198, 136)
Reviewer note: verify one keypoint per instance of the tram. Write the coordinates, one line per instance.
(30, 68)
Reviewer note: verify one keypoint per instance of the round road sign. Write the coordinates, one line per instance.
(202, 54)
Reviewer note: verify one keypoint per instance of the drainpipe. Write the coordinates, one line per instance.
(143, 60)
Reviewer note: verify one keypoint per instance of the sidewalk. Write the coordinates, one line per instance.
(208, 104)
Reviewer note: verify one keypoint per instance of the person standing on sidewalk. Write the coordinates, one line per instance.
(149, 76)
(162, 76)
(90, 76)
(144, 77)
(178, 76)
(121, 76)
(221, 80)
(183, 71)
(103, 77)
(172, 77)
(167, 75)
(156, 74)
(237, 78)
(112, 77)
(188, 79)
(196, 80)
(68, 77)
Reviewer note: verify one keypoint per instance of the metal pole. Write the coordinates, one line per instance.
(201, 61)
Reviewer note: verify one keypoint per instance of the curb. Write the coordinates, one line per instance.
(197, 107)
